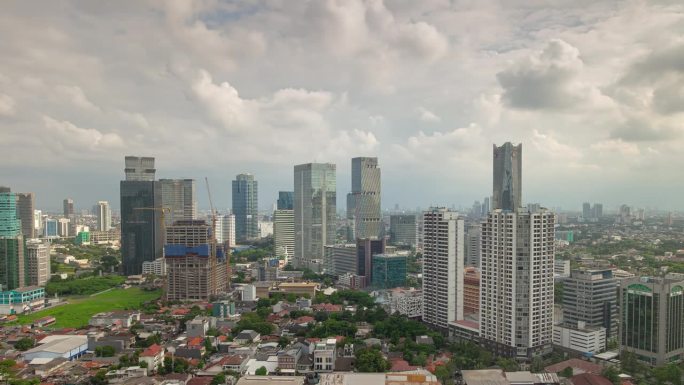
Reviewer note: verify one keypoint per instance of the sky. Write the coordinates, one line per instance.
(594, 90)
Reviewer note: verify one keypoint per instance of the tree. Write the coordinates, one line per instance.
(25, 343)
(371, 361)
(104, 351)
(283, 341)
(612, 374)
(567, 372)
(218, 379)
(507, 364)
(262, 371)
(99, 378)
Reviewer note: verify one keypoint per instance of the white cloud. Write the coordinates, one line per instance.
(7, 105)
(428, 116)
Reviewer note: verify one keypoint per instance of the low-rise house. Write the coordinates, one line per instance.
(120, 318)
(247, 336)
(126, 373)
(287, 360)
(153, 356)
(271, 380)
(199, 326)
(236, 363)
(118, 341)
(324, 355)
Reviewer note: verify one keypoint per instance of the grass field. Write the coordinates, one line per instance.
(78, 311)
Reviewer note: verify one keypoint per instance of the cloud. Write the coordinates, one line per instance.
(616, 146)
(643, 129)
(546, 79)
(428, 116)
(68, 135)
(7, 105)
(77, 97)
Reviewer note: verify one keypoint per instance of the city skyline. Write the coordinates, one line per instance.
(425, 87)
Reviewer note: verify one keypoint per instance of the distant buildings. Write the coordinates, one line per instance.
(341, 259)
(141, 227)
(68, 206)
(472, 245)
(443, 254)
(652, 318)
(315, 208)
(196, 268)
(285, 200)
(363, 203)
(471, 293)
(246, 207)
(403, 230)
(104, 216)
(225, 230)
(178, 196)
(592, 213)
(516, 286)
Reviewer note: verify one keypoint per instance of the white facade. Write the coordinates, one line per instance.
(582, 339)
(156, 267)
(324, 355)
(63, 227)
(443, 254)
(561, 268)
(406, 302)
(249, 293)
(225, 229)
(104, 216)
(516, 290)
(38, 258)
(265, 229)
(283, 233)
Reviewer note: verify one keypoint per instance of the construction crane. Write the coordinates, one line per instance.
(214, 218)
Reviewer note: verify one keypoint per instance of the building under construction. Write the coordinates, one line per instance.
(197, 268)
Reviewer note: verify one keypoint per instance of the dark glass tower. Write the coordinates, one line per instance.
(507, 177)
(245, 207)
(285, 200)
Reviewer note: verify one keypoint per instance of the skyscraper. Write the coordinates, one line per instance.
(225, 229)
(141, 230)
(363, 203)
(25, 207)
(590, 296)
(652, 318)
(12, 266)
(285, 200)
(315, 206)
(104, 216)
(283, 233)
(507, 177)
(586, 210)
(178, 195)
(443, 253)
(366, 248)
(68, 207)
(517, 256)
(403, 230)
(37, 262)
(473, 240)
(245, 207)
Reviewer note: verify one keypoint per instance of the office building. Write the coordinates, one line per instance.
(472, 245)
(225, 230)
(141, 208)
(156, 267)
(285, 200)
(315, 208)
(12, 268)
(104, 216)
(37, 262)
(561, 268)
(63, 227)
(37, 222)
(68, 206)
(246, 207)
(517, 261)
(178, 197)
(50, 228)
(340, 259)
(196, 267)
(389, 271)
(587, 340)
(365, 250)
(590, 296)
(507, 177)
(25, 206)
(443, 259)
(586, 210)
(363, 203)
(283, 233)
(652, 318)
(139, 169)
(403, 230)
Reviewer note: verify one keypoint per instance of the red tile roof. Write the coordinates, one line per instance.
(575, 363)
(305, 319)
(195, 341)
(200, 381)
(589, 379)
(399, 365)
(151, 351)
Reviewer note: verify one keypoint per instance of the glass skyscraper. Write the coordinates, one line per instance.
(178, 195)
(507, 177)
(363, 203)
(315, 205)
(285, 200)
(12, 260)
(245, 207)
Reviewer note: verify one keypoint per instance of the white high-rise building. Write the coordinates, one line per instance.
(283, 233)
(38, 262)
(363, 202)
(517, 263)
(443, 254)
(104, 216)
(225, 229)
